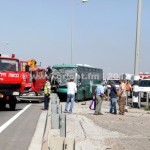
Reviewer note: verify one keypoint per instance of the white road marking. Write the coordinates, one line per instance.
(5, 125)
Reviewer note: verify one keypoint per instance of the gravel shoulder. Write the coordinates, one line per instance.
(108, 131)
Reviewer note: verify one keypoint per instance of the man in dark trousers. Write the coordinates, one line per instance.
(47, 89)
(113, 98)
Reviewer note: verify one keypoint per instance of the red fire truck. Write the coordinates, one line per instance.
(35, 81)
(19, 77)
(10, 81)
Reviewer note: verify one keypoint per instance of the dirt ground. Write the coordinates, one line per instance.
(108, 131)
(133, 128)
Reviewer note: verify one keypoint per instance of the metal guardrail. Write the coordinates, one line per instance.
(147, 99)
(139, 98)
(58, 121)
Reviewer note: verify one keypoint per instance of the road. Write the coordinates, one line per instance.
(17, 127)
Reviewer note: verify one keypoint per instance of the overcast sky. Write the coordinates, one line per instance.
(103, 32)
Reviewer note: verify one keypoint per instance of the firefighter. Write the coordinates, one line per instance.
(47, 90)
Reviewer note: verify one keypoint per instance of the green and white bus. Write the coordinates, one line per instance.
(86, 78)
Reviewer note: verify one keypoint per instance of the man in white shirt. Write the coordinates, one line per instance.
(72, 89)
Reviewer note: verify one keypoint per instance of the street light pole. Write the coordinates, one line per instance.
(72, 15)
(137, 57)
(72, 28)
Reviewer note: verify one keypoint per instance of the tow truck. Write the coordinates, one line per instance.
(35, 81)
(10, 81)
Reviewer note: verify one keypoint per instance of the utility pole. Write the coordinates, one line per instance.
(137, 57)
(72, 28)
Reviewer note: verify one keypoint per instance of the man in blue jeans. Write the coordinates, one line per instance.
(72, 89)
(113, 98)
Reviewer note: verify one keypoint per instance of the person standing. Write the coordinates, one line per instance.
(128, 86)
(71, 90)
(113, 98)
(47, 90)
(122, 97)
(128, 90)
(99, 92)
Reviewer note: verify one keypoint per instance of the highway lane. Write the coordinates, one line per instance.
(18, 135)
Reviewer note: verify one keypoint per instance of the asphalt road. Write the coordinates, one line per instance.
(17, 127)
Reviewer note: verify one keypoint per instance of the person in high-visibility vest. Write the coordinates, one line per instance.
(47, 91)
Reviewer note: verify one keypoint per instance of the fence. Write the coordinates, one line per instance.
(141, 95)
(147, 98)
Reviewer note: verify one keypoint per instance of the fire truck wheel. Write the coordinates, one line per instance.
(12, 104)
(2, 105)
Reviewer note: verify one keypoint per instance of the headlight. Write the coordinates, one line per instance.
(1, 95)
(15, 93)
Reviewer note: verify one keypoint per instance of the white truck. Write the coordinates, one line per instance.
(144, 87)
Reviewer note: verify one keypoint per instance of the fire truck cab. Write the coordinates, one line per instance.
(10, 81)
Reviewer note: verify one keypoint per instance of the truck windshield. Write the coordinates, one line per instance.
(9, 65)
(144, 83)
(62, 75)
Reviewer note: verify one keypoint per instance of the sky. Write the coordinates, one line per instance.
(102, 33)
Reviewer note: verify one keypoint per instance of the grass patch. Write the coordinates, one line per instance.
(147, 108)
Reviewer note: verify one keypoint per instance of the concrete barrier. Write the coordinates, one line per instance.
(69, 143)
(61, 143)
(54, 109)
(62, 125)
(58, 121)
(56, 143)
(55, 121)
(59, 109)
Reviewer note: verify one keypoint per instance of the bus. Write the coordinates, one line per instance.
(86, 78)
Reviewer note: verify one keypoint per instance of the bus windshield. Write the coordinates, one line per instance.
(9, 65)
(62, 75)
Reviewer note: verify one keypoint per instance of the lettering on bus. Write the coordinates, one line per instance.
(2, 74)
(13, 75)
